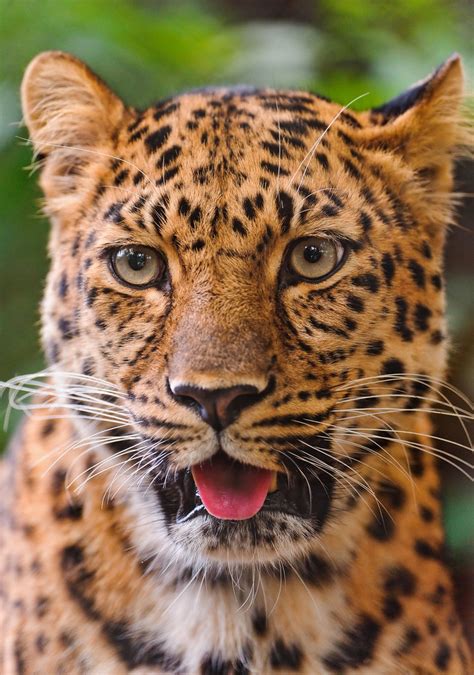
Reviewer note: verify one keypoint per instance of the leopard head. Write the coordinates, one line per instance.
(248, 280)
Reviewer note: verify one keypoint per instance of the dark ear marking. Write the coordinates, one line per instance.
(403, 102)
(409, 98)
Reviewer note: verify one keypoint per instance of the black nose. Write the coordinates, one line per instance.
(217, 407)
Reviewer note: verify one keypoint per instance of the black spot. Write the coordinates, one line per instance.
(41, 606)
(425, 550)
(355, 303)
(65, 327)
(351, 169)
(121, 177)
(442, 656)
(41, 643)
(139, 133)
(198, 245)
(114, 213)
(350, 323)
(167, 176)
(296, 127)
(410, 638)
(329, 211)
(436, 281)
(101, 324)
(72, 511)
(155, 140)
(391, 494)
(381, 526)
(365, 220)
(388, 267)
(368, 281)
(20, 657)
(285, 657)
(436, 337)
(274, 169)
(400, 324)
(392, 367)
(309, 196)
(259, 202)
(426, 250)
(168, 156)
(136, 652)
(438, 596)
(375, 348)
(194, 217)
(349, 119)
(315, 570)
(63, 286)
(275, 149)
(72, 556)
(260, 623)
(422, 314)
(391, 608)
(432, 627)
(214, 665)
(284, 205)
(249, 209)
(426, 514)
(48, 428)
(399, 581)
(323, 160)
(184, 207)
(239, 227)
(346, 138)
(356, 649)
(158, 214)
(417, 272)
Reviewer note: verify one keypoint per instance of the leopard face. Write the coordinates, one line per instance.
(256, 275)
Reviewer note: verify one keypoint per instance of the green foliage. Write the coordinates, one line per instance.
(380, 47)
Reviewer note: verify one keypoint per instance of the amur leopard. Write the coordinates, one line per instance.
(227, 467)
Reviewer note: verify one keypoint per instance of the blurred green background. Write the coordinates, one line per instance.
(148, 49)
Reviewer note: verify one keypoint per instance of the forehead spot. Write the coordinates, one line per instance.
(157, 139)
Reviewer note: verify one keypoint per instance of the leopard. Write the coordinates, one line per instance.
(229, 464)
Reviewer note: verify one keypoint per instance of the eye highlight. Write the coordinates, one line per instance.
(316, 258)
(138, 266)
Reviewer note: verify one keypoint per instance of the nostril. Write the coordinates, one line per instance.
(217, 407)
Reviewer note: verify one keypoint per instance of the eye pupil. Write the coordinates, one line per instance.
(312, 253)
(136, 260)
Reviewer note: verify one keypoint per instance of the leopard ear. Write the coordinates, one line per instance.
(70, 113)
(425, 126)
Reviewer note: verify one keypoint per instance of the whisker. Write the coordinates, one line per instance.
(309, 155)
(92, 152)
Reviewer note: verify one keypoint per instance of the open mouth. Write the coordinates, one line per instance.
(228, 490)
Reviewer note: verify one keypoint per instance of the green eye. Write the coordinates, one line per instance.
(315, 258)
(138, 266)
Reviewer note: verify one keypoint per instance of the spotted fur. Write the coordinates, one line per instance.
(98, 574)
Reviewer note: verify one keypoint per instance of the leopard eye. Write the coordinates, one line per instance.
(316, 258)
(138, 266)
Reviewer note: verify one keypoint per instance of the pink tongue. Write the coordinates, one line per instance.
(231, 490)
